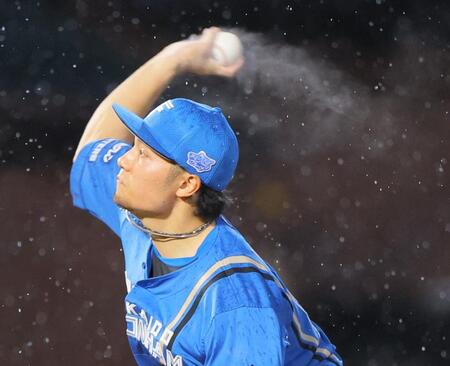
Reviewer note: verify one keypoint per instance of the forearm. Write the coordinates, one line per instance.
(137, 93)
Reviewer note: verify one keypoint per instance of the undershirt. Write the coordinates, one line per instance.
(159, 268)
(161, 265)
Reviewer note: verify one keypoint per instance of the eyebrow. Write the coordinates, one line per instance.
(154, 151)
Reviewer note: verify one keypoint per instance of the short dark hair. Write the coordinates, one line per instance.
(210, 204)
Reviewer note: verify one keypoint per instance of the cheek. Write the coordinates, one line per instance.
(150, 181)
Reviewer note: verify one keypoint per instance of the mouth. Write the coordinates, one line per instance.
(119, 180)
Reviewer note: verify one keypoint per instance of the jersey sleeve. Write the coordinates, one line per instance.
(246, 337)
(93, 180)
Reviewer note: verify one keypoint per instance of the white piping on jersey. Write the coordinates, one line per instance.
(241, 259)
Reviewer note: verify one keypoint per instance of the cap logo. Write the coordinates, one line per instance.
(164, 106)
(168, 105)
(200, 161)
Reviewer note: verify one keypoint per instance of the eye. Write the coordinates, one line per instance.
(141, 152)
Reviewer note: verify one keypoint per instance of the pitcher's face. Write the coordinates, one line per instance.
(143, 183)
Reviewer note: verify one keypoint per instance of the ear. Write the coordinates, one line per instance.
(189, 185)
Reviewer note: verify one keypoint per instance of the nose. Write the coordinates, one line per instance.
(124, 161)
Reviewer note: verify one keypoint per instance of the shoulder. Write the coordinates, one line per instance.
(101, 150)
(239, 278)
(243, 285)
(231, 241)
(93, 179)
(97, 158)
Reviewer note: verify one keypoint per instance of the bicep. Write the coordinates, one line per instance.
(245, 336)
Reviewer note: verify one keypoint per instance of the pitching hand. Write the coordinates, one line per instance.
(194, 55)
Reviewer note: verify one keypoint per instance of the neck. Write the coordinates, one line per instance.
(181, 248)
(173, 224)
(176, 223)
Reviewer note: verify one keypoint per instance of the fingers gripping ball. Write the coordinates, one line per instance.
(227, 48)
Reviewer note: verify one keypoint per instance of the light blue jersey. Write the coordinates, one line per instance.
(225, 307)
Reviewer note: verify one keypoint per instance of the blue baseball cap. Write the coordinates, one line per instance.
(195, 136)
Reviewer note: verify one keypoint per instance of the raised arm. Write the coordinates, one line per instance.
(141, 89)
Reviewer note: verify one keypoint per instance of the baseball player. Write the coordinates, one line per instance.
(198, 294)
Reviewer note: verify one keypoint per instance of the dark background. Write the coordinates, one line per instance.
(342, 113)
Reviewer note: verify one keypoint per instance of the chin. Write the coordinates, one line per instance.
(120, 202)
(124, 204)
(135, 209)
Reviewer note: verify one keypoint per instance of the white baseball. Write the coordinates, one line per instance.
(227, 48)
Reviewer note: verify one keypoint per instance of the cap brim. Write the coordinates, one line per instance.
(135, 123)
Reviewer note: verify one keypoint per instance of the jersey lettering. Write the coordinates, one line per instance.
(110, 153)
(98, 148)
(146, 330)
(173, 361)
